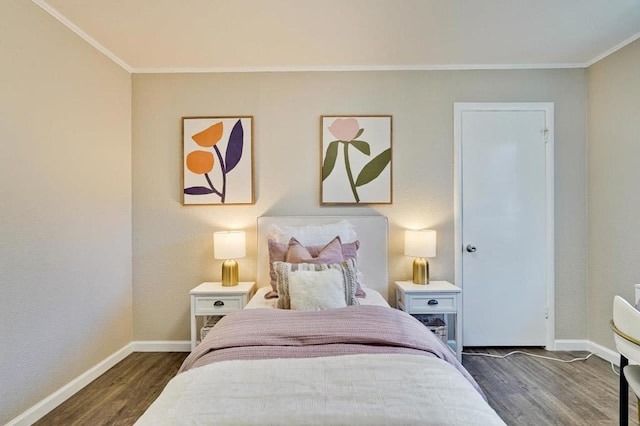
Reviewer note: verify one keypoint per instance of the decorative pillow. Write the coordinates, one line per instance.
(316, 290)
(331, 253)
(278, 253)
(314, 235)
(284, 271)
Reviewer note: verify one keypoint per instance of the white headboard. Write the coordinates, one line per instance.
(372, 233)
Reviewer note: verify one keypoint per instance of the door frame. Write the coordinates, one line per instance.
(548, 108)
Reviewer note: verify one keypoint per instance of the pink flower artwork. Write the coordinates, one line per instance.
(349, 140)
(345, 129)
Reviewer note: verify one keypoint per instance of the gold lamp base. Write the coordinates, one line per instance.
(229, 273)
(421, 271)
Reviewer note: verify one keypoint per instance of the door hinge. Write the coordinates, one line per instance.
(546, 313)
(546, 135)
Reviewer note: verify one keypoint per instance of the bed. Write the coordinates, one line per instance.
(328, 350)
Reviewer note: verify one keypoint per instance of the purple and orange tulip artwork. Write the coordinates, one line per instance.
(203, 162)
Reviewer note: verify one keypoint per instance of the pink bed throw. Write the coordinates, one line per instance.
(277, 333)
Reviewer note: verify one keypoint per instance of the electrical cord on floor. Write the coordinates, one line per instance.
(529, 354)
(613, 368)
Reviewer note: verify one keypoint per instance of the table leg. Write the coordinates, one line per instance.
(193, 326)
(624, 393)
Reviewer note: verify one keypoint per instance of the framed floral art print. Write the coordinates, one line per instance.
(356, 159)
(217, 160)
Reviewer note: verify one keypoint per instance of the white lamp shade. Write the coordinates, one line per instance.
(420, 243)
(229, 244)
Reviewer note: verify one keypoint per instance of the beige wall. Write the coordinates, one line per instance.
(65, 194)
(614, 174)
(66, 187)
(172, 244)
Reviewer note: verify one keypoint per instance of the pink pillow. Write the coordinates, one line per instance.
(331, 253)
(278, 253)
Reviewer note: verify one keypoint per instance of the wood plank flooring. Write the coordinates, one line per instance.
(531, 391)
(522, 390)
(120, 395)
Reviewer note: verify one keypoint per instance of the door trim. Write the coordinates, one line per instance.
(548, 108)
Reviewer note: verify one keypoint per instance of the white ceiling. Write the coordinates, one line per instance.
(245, 35)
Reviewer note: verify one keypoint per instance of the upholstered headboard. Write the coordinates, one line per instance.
(372, 233)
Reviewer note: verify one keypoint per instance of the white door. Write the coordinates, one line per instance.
(503, 222)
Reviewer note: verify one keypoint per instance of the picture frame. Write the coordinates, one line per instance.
(356, 159)
(217, 160)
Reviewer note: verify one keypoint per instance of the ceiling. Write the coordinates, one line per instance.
(250, 35)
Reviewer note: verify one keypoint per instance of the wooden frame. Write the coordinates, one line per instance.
(364, 143)
(217, 159)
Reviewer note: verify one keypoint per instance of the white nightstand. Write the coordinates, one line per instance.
(214, 299)
(437, 297)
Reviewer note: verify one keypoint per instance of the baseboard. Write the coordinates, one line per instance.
(589, 346)
(605, 353)
(560, 345)
(161, 346)
(571, 345)
(43, 407)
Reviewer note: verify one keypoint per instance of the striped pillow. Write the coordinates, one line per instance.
(284, 271)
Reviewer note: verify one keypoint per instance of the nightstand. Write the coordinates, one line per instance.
(214, 299)
(437, 297)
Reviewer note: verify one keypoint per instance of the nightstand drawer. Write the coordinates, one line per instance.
(421, 304)
(217, 305)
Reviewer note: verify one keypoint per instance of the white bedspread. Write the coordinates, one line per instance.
(350, 390)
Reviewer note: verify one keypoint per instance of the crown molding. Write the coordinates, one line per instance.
(349, 68)
(317, 68)
(86, 37)
(614, 49)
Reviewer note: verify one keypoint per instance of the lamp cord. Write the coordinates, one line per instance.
(529, 354)
(613, 368)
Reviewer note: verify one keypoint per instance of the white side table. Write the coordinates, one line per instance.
(211, 298)
(437, 297)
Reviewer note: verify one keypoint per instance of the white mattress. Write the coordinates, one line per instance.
(258, 300)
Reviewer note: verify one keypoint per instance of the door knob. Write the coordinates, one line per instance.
(471, 249)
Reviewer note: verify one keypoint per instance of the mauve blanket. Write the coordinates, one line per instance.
(276, 333)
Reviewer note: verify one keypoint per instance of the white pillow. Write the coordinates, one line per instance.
(313, 235)
(284, 272)
(316, 290)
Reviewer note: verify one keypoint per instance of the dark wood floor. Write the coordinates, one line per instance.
(531, 391)
(522, 390)
(120, 395)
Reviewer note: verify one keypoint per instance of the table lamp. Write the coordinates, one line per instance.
(420, 244)
(229, 246)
